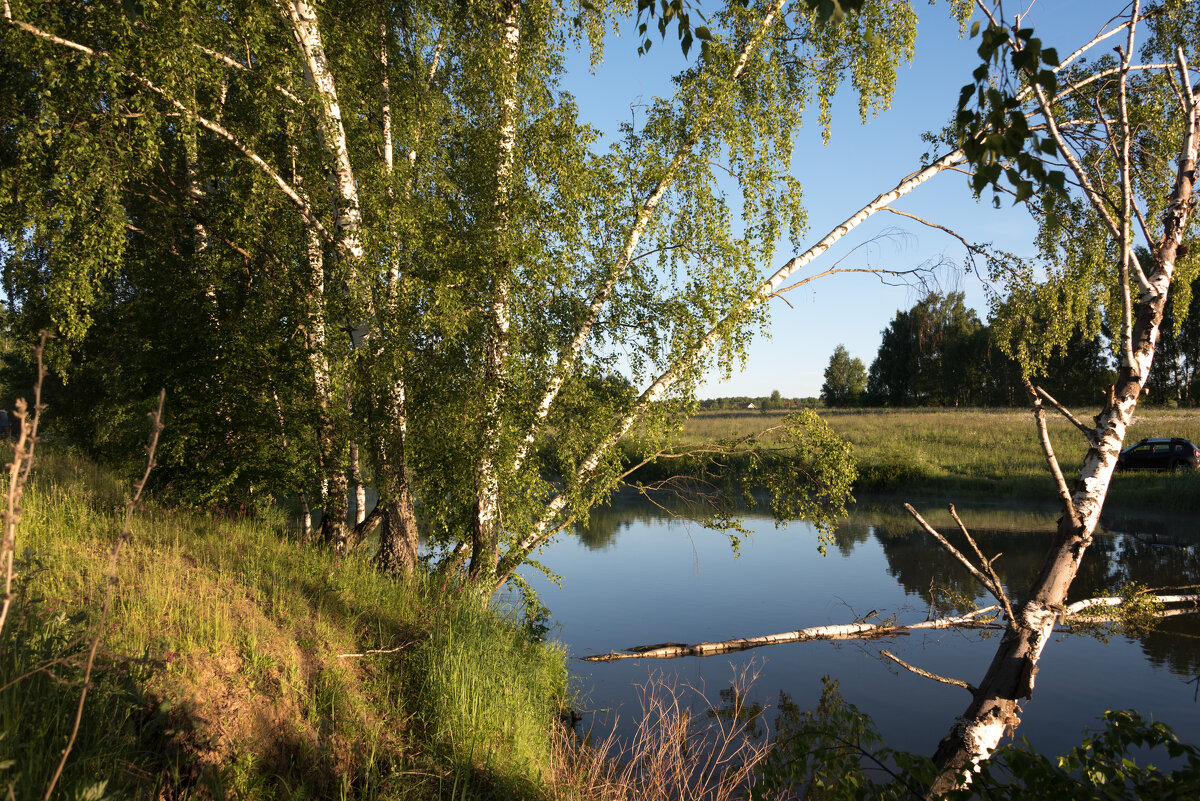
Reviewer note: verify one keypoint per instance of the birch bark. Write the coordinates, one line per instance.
(1011, 675)
(485, 536)
(570, 355)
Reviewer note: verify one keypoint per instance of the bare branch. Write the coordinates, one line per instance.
(1090, 433)
(955, 682)
(1039, 416)
(18, 474)
(968, 245)
(984, 580)
(997, 586)
(395, 650)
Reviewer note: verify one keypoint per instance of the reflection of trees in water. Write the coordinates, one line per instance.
(605, 523)
(1169, 556)
(917, 561)
(628, 507)
(1160, 562)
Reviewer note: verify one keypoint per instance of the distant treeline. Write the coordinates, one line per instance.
(938, 353)
(766, 403)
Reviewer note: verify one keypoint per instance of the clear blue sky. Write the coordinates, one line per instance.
(859, 163)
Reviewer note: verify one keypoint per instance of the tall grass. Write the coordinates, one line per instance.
(486, 693)
(236, 663)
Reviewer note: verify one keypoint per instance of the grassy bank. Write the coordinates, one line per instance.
(221, 671)
(973, 454)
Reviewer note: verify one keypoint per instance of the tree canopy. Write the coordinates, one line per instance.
(375, 241)
(845, 379)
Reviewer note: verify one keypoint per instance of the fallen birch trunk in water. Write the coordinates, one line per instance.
(845, 631)
(1085, 610)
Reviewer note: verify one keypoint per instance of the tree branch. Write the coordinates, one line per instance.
(1039, 416)
(996, 591)
(569, 356)
(287, 189)
(997, 586)
(18, 473)
(1090, 433)
(955, 682)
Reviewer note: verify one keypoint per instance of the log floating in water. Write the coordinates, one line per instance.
(844, 631)
(862, 630)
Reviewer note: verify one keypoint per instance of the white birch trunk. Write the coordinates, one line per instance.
(307, 32)
(485, 539)
(1010, 678)
(568, 358)
(399, 537)
(844, 631)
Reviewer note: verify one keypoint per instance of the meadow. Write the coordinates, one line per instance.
(961, 454)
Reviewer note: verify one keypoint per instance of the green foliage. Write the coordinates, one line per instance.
(826, 753)
(995, 135)
(488, 694)
(1104, 766)
(845, 379)
(220, 618)
(930, 356)
(834, 752)
(1136, 614)
(1173, 375)
(809, 472)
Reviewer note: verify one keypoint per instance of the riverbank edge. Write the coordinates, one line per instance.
(913, 480)
(241, 661)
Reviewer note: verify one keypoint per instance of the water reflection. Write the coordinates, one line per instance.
(636, 576)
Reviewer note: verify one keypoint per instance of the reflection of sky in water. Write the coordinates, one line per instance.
(651, 580)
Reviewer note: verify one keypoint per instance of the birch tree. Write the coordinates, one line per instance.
(1122, 134)
(459, 252)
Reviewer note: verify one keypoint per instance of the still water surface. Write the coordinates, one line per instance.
(636, 576)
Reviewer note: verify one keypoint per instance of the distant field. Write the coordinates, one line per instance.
(974, 453)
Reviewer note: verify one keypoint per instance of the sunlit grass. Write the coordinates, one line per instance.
(221, 669)
(973, 452)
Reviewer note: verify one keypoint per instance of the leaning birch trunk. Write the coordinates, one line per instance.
(544, 528)
(1010, 678)
(568, 359)
(485, 535)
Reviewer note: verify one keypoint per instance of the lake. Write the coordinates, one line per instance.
(638, 576)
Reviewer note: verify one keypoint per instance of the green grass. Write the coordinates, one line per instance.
(950, 454)
(219, 673)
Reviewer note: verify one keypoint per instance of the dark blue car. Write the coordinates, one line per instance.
(1160, 454)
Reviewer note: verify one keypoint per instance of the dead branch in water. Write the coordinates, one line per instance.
(847, 631)
(859, 630)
